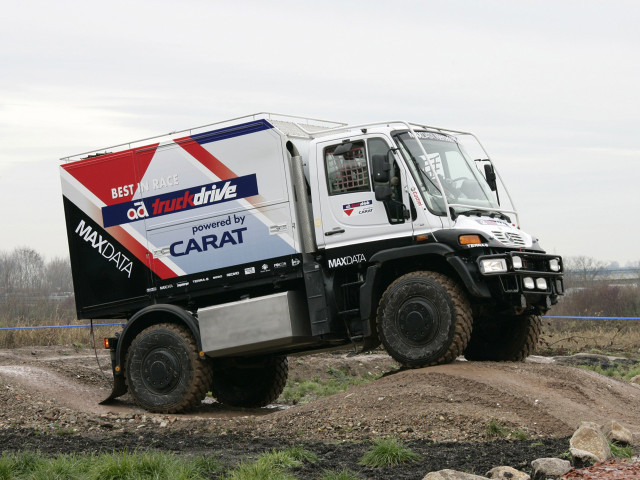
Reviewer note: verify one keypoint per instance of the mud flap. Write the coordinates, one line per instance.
(119, 389)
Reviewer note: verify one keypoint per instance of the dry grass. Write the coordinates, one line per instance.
(559, 336)
(569, 336)
(79, 337)
(47, 313)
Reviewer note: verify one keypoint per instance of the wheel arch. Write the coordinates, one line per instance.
(153, 315)
(393, 263)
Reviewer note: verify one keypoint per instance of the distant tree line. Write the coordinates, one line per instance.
(33, 288)
(594, 288)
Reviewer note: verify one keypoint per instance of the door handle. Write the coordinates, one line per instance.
(334, 231)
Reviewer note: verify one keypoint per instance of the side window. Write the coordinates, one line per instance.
(395, 207)
(348, 172)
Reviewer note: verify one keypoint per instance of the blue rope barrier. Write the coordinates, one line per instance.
(599, 318)
(63, 326)
(120, 324)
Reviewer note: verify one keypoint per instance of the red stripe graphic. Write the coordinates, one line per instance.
(141, 253)
(206, 158)
(113, 178)
(214, 165)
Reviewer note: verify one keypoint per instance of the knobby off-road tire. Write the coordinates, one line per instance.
(163, 371)
(506, 338)
(247, 382)
(424, 318)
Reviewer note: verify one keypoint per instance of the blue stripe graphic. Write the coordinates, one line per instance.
(230, 132)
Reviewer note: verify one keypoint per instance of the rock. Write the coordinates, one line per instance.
(617, 433)
(587, 442)
(635, 380)
(452, 475)
(507, 473)
(544, 468)
(582, 458)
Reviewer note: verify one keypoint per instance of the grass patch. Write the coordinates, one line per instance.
(620, 371)
(272, 465)
(343, 474)
(608, 337)
(620, 451)
(257, 471)
(495, 429)
(309, 390)
(116, 466)
(301, 454)
(386, 452)
(519, 434)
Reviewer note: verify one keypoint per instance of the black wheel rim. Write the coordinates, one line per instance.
(161, 370)
(418, 321)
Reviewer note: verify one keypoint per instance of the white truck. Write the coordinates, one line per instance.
(227, 247)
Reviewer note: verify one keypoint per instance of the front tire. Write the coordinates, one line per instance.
(163, 371)
(424, 318)
(504, 338)
(249, 382)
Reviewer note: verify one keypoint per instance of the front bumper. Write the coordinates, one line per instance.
(523, 278)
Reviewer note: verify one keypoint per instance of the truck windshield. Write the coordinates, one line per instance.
(461, 179)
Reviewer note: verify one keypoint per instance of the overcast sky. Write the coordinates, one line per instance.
(550, 87)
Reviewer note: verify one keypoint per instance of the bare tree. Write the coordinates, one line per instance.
(6, 271)
(582, 271)
(28, 269)
(58, 275)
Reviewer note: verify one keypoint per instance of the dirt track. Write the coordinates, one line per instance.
(55, 391)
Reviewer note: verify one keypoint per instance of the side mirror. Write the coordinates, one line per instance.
(342, 148)
(383, 192)
(490, 175)
(381, 167)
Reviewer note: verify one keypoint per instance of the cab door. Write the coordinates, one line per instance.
(350, 214)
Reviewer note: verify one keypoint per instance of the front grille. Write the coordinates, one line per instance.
(509, 239)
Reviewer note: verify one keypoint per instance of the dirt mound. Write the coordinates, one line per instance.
(456, 402)
(459, 400)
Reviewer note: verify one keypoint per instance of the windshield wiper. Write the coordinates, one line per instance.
(486, 213)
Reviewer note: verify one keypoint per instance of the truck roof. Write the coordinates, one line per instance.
(289, 125)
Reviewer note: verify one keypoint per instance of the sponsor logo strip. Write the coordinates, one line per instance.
(350, 207)
(347, 260)
(180, 200)
(233, 274)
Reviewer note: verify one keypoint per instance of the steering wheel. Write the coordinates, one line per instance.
(449, 185)
(458, 180)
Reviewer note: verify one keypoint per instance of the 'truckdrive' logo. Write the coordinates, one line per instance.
(180, 200)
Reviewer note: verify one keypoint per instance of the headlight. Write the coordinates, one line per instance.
(517, 262)
(554, 265)
(541, 283)
(528, 283)
(493, 265)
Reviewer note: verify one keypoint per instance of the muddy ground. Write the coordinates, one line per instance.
(49, 401)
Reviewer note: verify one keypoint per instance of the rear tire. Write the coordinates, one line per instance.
(249, 382)
(424, 318)
(163, 371)
(505, 338)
